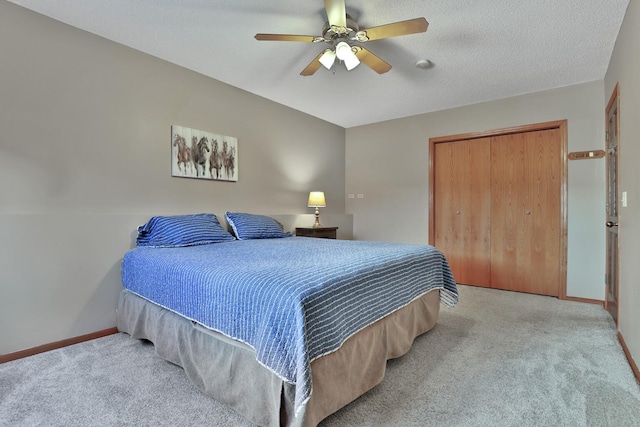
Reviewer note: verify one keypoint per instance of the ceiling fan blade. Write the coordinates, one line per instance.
(285, 38)
(372, 61)
(336, 12)
(313, 66)
(412, 26)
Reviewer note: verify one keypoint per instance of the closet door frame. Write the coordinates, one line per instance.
(561, 125)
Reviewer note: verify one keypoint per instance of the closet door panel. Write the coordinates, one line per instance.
(542, 214)
(526, 226)
(462, 208)
(446, 200)
(477, 211)
(508, 269)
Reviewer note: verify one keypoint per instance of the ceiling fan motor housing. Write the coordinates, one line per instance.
(334, 34)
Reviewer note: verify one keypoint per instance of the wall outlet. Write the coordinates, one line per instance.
(350, 196)
(360, 196)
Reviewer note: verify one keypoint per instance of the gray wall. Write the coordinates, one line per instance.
(624, 69)
(388, 163)
(84, 146)
(85, 128)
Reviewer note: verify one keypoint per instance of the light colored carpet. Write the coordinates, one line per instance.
(497, 359)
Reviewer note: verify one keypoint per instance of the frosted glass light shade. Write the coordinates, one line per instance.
(351, 62)
(345, 54)
(328, 58)
(343, 50)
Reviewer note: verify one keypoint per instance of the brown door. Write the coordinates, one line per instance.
(525, 212)
(611, 301)
(497, 207)
(462, 190)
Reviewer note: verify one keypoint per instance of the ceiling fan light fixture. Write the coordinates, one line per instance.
(343, 50)
(328, 58)
(351, 62)
(339, 30)
(345, 53)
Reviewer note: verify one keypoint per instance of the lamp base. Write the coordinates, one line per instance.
(316, 224)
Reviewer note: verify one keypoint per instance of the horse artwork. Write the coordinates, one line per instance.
(203, 155)
(230, 163)
(184, 153)
(198, 148)
(215, 160)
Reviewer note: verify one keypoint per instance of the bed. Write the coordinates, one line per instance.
(285, 330)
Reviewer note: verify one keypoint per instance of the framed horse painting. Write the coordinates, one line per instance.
(204, 155)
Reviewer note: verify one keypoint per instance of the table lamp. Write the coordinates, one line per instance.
(316, 200)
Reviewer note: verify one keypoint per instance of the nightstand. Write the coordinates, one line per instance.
(321, 232)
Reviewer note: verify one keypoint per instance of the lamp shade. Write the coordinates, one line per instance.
(316, 199)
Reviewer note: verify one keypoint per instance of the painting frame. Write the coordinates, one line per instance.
(202, 154)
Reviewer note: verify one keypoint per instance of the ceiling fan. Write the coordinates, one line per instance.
(343, 34)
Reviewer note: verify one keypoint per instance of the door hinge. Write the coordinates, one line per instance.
(606, 279)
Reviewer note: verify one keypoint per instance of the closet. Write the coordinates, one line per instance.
(498, 207)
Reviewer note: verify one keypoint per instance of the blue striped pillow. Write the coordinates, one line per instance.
(182, 230)
(249, 226)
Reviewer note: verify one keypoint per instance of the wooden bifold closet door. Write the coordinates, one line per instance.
(497, 209)
(463, 197)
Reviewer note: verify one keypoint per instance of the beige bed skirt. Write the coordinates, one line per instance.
(227, 370)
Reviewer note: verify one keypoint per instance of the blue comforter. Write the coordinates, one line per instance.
(292, 299)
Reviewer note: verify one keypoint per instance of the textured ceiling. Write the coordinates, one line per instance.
(480, 50)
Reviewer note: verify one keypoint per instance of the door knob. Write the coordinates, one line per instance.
(611, 224)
